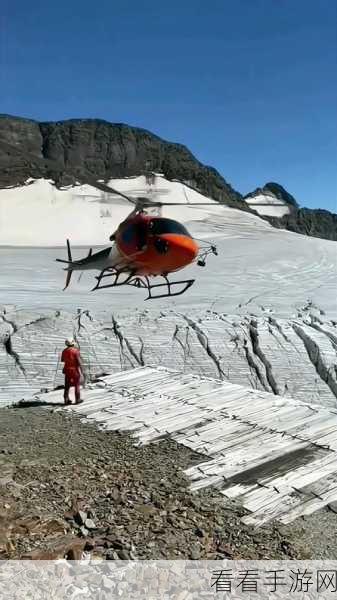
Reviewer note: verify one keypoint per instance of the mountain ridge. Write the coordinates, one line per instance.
(84, 150)
(80, 147)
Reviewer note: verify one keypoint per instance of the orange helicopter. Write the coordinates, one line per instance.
(145, 246)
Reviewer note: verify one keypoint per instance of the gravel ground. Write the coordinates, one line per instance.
(66, 487)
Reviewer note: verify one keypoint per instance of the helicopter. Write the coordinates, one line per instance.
(144, 246)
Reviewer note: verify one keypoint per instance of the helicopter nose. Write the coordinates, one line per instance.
(183, 247)
(161, 245)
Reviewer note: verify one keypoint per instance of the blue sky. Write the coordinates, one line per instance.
(248, 85)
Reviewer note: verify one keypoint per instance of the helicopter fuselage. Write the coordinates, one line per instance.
(155, 245)
(144, 244)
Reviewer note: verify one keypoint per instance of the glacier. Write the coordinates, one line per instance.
(262, 314)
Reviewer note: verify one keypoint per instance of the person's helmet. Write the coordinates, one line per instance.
(70, 342)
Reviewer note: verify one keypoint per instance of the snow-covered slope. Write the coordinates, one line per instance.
(39, 214)
(257, 266)
(258, 270)
(267, 204)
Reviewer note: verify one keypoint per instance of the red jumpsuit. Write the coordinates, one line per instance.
(72, 372)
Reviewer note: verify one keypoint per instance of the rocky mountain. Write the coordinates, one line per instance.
(274, 190)
(88, 150)
(313, 222)
(272, 200)
(281, 209)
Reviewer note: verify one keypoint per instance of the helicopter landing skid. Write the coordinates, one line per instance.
(141, 282)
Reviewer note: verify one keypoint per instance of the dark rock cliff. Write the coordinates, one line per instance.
(89, 148)
(313, 222)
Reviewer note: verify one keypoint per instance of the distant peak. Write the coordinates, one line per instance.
(275, 190)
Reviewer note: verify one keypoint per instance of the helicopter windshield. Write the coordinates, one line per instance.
(135, 233)
(161, 226)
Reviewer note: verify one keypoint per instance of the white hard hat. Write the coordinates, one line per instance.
(70, 342)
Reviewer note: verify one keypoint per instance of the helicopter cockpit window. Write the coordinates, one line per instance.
(134, 233)
(129, 234)
(161, 226)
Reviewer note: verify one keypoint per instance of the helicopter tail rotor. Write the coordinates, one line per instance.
(68, 262)
(70, 272)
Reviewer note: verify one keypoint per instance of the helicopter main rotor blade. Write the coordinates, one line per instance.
(159, 204)
(106, 188)
(144, 202)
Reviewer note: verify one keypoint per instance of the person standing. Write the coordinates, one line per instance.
(72, 371)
